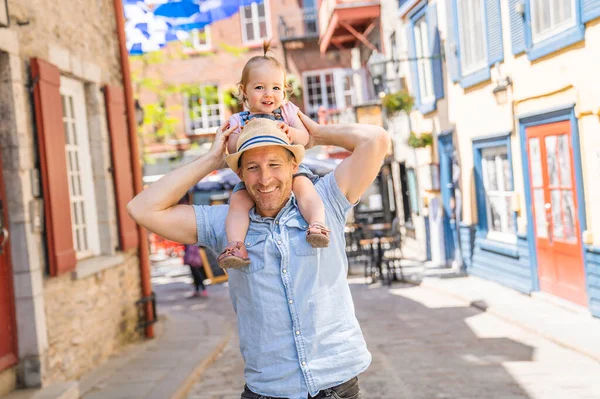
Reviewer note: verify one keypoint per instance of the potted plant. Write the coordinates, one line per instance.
(421, 141)
(397, 102)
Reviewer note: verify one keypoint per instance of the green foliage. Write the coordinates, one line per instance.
(421, 141)
(294, 86)
(397, 102)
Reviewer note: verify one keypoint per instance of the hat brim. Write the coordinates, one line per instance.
(296, 149)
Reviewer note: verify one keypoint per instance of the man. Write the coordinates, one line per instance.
(298, 333)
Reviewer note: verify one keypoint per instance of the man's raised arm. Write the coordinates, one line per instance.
(368, 144)
(156, 207)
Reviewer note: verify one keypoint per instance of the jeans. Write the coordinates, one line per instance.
(347, 390)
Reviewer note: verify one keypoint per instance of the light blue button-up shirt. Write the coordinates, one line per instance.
(298, 332)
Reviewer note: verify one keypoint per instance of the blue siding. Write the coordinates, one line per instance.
(513, 272)
(435, 48)
(590, 9)
(592, 258)
(517, 28)
(451, 42)
(467, 244)
(494, 31)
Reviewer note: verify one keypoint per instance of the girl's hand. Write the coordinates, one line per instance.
(286, 129)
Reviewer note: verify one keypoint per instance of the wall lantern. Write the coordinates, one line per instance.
(376, 66)
(4, 20)
(502, 84)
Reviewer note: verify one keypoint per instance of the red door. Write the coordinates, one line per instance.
(554, 198)
(8, 337)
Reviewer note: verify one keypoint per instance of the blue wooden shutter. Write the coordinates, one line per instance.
(494, 31)
(435, 51)
(517, 27)
(414, 71)
(452, 56)
(590, 9)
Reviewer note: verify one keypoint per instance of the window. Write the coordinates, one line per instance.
(332, 89)
(320, 91)
(498, 185)
(255, 24)
(424, 67)
(550, 16)
(200, 40)
(472, 35)
(205, 109)
(79, 170)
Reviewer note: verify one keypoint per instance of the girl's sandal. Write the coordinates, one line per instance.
(234, 256)
(317, 235)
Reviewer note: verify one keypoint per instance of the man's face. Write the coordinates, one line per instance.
(267, 173)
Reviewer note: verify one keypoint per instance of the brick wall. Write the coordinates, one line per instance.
(90, 319)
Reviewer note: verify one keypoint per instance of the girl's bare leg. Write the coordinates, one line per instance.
(237, 222)
(313, 210)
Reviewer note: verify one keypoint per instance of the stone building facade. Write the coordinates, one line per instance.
(69, 270)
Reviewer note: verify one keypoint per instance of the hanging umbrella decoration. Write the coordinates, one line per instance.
(150, 29)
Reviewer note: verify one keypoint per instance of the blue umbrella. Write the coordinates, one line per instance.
(207, 12)
(177, 9)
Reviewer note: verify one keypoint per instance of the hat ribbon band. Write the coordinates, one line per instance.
(262, 139)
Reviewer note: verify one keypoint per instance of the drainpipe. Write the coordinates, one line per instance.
(135, 165)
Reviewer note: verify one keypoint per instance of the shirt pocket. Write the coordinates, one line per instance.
(297, 232)
(255, 244)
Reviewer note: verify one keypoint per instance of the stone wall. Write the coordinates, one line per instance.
(90, 319)
(8, 381)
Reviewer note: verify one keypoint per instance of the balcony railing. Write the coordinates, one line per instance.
(298, 25)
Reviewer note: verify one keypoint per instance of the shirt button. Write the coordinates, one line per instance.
(284, 270)
(277, 222)
(304, 363)
(279, 242)
(290, 301)
(297, 332)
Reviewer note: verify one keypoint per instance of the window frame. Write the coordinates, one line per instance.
(561, 38)
(76, 90)
(483, 63)
(480, 145)
(207, 129)
(554, 30)
(339, 94)
(256, 23)
(195, 45)
(424, 64)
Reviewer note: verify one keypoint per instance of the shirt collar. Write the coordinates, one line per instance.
(291, 203)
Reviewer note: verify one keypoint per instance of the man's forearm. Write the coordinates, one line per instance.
(170, 188)
(346, 135)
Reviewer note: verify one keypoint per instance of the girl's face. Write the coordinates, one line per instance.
(265, 88)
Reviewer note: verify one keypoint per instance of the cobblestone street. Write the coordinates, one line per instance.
(427, 345)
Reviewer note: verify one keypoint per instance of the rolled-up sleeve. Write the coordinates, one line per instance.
(210, 224)
(332, 196)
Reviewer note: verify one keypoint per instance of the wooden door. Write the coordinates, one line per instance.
(8, 335)
(554, 204)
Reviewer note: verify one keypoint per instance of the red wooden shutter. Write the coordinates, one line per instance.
(51, 141)
(121, 156)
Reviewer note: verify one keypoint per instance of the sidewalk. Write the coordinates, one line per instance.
(564, 324)
(192, 332)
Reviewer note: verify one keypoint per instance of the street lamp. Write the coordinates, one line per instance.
(139, 113)
(376, 66)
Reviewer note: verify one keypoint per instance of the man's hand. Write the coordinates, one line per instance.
(312, 127)
(217, 150)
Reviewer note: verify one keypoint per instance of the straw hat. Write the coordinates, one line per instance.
(262, 132)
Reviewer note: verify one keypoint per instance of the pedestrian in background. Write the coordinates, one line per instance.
(193, 259)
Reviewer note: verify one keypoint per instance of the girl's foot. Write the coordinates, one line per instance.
(203, 294)
(234, 256)
(317, 235)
